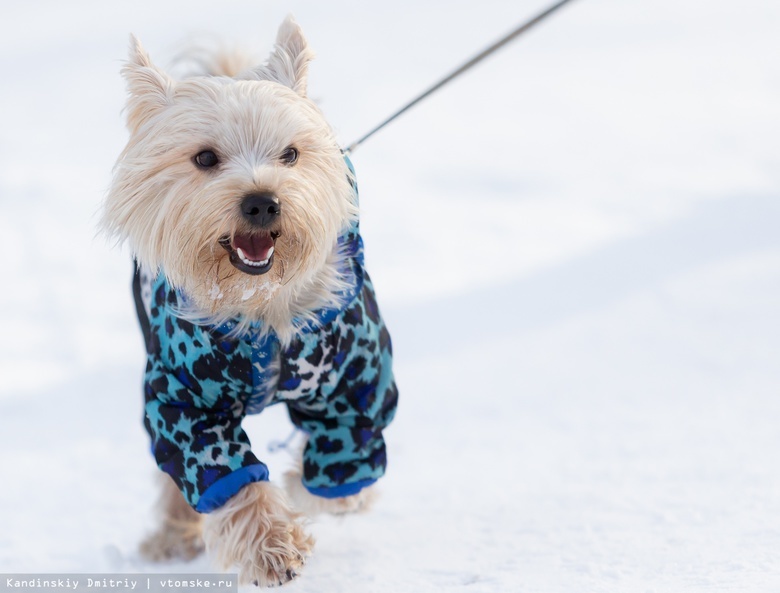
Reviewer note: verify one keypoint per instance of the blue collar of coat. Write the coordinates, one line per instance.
(351, 247)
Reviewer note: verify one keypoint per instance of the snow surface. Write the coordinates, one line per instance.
(576, 248)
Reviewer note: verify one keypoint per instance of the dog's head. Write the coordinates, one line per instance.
(234, 186)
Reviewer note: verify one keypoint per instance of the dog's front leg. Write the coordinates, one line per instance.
(258, 533)
(313, 505)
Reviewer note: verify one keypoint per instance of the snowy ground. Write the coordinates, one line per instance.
(576, 247)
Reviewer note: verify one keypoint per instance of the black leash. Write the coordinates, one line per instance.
(472, 62)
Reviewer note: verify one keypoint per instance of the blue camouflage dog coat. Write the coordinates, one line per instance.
(335, 379)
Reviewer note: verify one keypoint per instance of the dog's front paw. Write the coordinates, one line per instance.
(316, 505)
(257, 533)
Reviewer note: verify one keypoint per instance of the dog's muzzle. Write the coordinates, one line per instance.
(253, 252)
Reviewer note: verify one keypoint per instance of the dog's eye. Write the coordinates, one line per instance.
(290, 155)
(206, 159)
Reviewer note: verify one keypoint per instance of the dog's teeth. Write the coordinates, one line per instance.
(259, 264)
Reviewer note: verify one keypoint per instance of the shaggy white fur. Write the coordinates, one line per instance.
(174, 214)
(185, 217)
(180, 532)
(258, 533)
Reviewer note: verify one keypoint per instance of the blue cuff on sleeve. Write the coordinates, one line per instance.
(341, 490)
(225, 488)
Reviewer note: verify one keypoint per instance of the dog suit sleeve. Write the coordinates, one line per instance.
(357, 399)
(195, 388)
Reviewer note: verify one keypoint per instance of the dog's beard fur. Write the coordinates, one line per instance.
(173, 213)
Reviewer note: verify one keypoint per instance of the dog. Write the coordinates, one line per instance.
(242, 215)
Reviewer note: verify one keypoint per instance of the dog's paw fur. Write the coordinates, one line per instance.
(258, 534)
(180, 534)
(313, 505)
(173, 541)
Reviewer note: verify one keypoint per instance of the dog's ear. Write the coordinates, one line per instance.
(150, 88)
(289, 62)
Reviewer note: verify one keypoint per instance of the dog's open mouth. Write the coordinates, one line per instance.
(251, 253)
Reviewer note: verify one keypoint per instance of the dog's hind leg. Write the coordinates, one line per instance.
(180, 534)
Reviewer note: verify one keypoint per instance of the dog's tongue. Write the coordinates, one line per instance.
(255, 247)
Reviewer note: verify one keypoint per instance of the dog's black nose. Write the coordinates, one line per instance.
(260, 209)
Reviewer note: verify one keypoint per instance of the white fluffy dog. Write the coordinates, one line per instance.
(241, 212)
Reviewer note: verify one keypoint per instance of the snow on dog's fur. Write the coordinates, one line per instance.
(198, 146)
